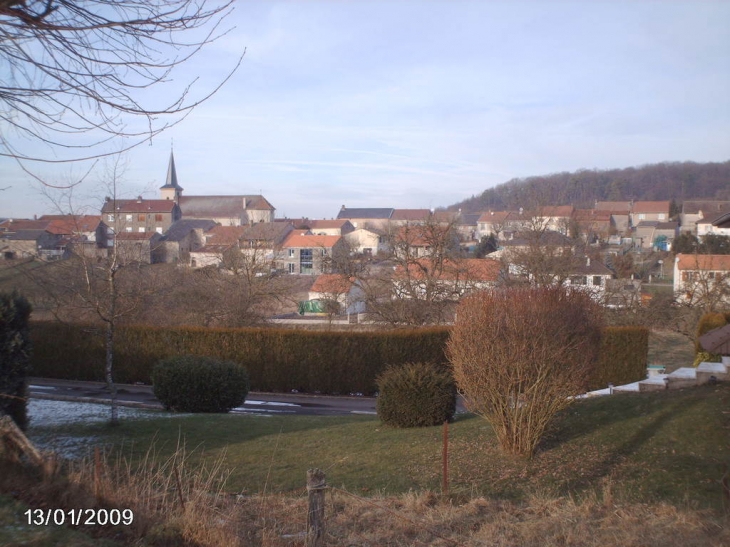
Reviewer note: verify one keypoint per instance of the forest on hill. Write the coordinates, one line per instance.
(656, 182)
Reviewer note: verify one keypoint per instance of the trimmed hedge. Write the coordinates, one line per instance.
(416, 395)
(15, 352)
(189, 383)
(284, 359)
(276, 359)
(623, 356)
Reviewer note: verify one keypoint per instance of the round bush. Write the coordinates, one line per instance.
(199, 384)
(416, 395)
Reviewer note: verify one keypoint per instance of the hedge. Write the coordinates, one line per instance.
(276, 359)
(284, 359)
(623, 356)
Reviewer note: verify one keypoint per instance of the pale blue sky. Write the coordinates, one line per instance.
(417, 104)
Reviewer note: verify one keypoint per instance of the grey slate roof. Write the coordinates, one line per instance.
(171, 181)
(371, 212)
(221, 206)
(267, 231)
(180, 229)
(26, 235)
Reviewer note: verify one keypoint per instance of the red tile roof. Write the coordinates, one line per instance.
(299, 239)
(333, 284)
(224, 235)
(410, 214)
(468, 269)
(139, 206)
(715, 263)
(73, 225)
(651, 207)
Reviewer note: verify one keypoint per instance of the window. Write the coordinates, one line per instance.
(642, 216)
(129, 217)
(140, 218)
(324, 252)
(110, 218)
(158, 229)
(578, 280)
(661, 216)
(292, 253)
(306, 264)
(158, 218)
(597, 281)
(292, 268)
(140, 229)
(128, 229)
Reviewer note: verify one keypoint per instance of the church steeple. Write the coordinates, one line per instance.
(171, 190)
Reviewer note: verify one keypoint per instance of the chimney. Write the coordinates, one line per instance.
(139, 199)
(342, 208)
(244, 203)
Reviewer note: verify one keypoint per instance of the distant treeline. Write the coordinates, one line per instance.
(658, 182)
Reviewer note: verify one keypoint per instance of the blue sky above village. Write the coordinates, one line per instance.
(417, 104)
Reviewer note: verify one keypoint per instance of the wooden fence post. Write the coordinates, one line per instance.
(316, 485)
(445, 460)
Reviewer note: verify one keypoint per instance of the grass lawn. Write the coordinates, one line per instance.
(666, 446)
(670, 349)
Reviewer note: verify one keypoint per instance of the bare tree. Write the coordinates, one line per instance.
(518, 353)
(101, 281)
(413, 290)
(77, 74)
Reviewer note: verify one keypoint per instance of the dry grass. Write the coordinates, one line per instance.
(176, 505)
(671, 349)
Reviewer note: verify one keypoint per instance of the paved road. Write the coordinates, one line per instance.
(256, 403)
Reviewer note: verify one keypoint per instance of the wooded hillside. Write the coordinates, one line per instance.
(662, 181)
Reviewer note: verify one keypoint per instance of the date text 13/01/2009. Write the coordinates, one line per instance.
(79, 517)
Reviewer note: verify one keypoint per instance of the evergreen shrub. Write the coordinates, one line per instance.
(275, 359)
(15, 350)
(416, 395)
(622, 358)
(199, 384)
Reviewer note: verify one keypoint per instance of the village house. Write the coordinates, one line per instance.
(182, 237)
(139, 215)
(696, 210)
(445, 280)
(715, 223)
(702, 279)
(591, 276)
(593, 225)
(338, 227)
(345, 291)
(306, 253)
(217, 241)
(620, 213)
(368, 242)
(370, 218)
(648, 211)
(652, 234)
(138, 247)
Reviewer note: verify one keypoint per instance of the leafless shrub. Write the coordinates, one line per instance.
(519, 353)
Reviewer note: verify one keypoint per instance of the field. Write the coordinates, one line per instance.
(646, 468)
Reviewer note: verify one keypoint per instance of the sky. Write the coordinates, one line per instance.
(420, 104)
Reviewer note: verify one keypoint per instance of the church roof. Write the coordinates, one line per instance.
(171, 181)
